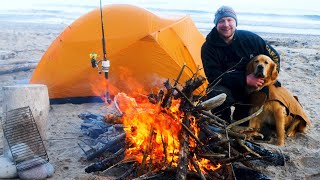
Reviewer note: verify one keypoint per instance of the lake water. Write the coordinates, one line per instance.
(272, 16)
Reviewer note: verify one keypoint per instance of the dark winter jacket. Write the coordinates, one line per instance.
(218, 57)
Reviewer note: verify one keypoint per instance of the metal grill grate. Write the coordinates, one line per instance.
(24, 139)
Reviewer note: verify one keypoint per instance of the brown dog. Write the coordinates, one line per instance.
(277, 104)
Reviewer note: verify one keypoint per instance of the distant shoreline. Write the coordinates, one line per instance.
(276, 34)
(60, 28)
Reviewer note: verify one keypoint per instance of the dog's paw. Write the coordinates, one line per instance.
(257, 135)
(247, 130)
(291, 133)
(280, 143)
(252, 133)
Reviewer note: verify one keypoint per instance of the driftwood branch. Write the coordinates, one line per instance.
(246, 118)
(212, 102)
(212, 116)
(16, 68)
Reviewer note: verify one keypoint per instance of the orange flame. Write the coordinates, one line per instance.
(151, 128)
(206, 165)
(153, 131)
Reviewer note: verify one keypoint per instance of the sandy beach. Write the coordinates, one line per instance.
(22, 46)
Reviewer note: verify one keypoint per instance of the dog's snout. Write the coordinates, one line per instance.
(259, 71)
(260, 67)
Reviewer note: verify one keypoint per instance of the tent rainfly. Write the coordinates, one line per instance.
(144, 50)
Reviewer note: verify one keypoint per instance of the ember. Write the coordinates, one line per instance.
(172, 132)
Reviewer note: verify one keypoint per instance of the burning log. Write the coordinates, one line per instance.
(184, 150)
(147, 150)
(185, 105)
(167, 100)
(196, 166)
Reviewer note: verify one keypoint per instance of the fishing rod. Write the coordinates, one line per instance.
(105, 64)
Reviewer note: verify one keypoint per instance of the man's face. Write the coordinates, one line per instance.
(226, 27)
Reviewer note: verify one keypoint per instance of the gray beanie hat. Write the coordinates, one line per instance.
(225, 11)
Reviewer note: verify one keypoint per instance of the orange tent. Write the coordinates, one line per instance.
(144, 50)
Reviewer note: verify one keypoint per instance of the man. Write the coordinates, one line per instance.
(225, 55)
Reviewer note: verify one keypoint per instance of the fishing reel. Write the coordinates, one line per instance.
(105, 64)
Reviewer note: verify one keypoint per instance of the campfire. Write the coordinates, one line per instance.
(172, 134)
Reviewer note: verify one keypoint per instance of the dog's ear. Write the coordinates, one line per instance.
(250, 66)
(274, 72)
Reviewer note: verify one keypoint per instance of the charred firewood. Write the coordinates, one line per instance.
(215, 175)
(208, 155)
(233, 159)
(210, 121)
(104, 164)
(275, 158)
(96, 153)
(127, 173)
(218, 137)
(153, 98)
(191, 134)
(156, 98)
(229, 172)
(230, 133)
(244, 173)
(167, 99)
(191, 85)
(189, 174)
(210, 133)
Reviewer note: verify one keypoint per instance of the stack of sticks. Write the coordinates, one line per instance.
(230, 151)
